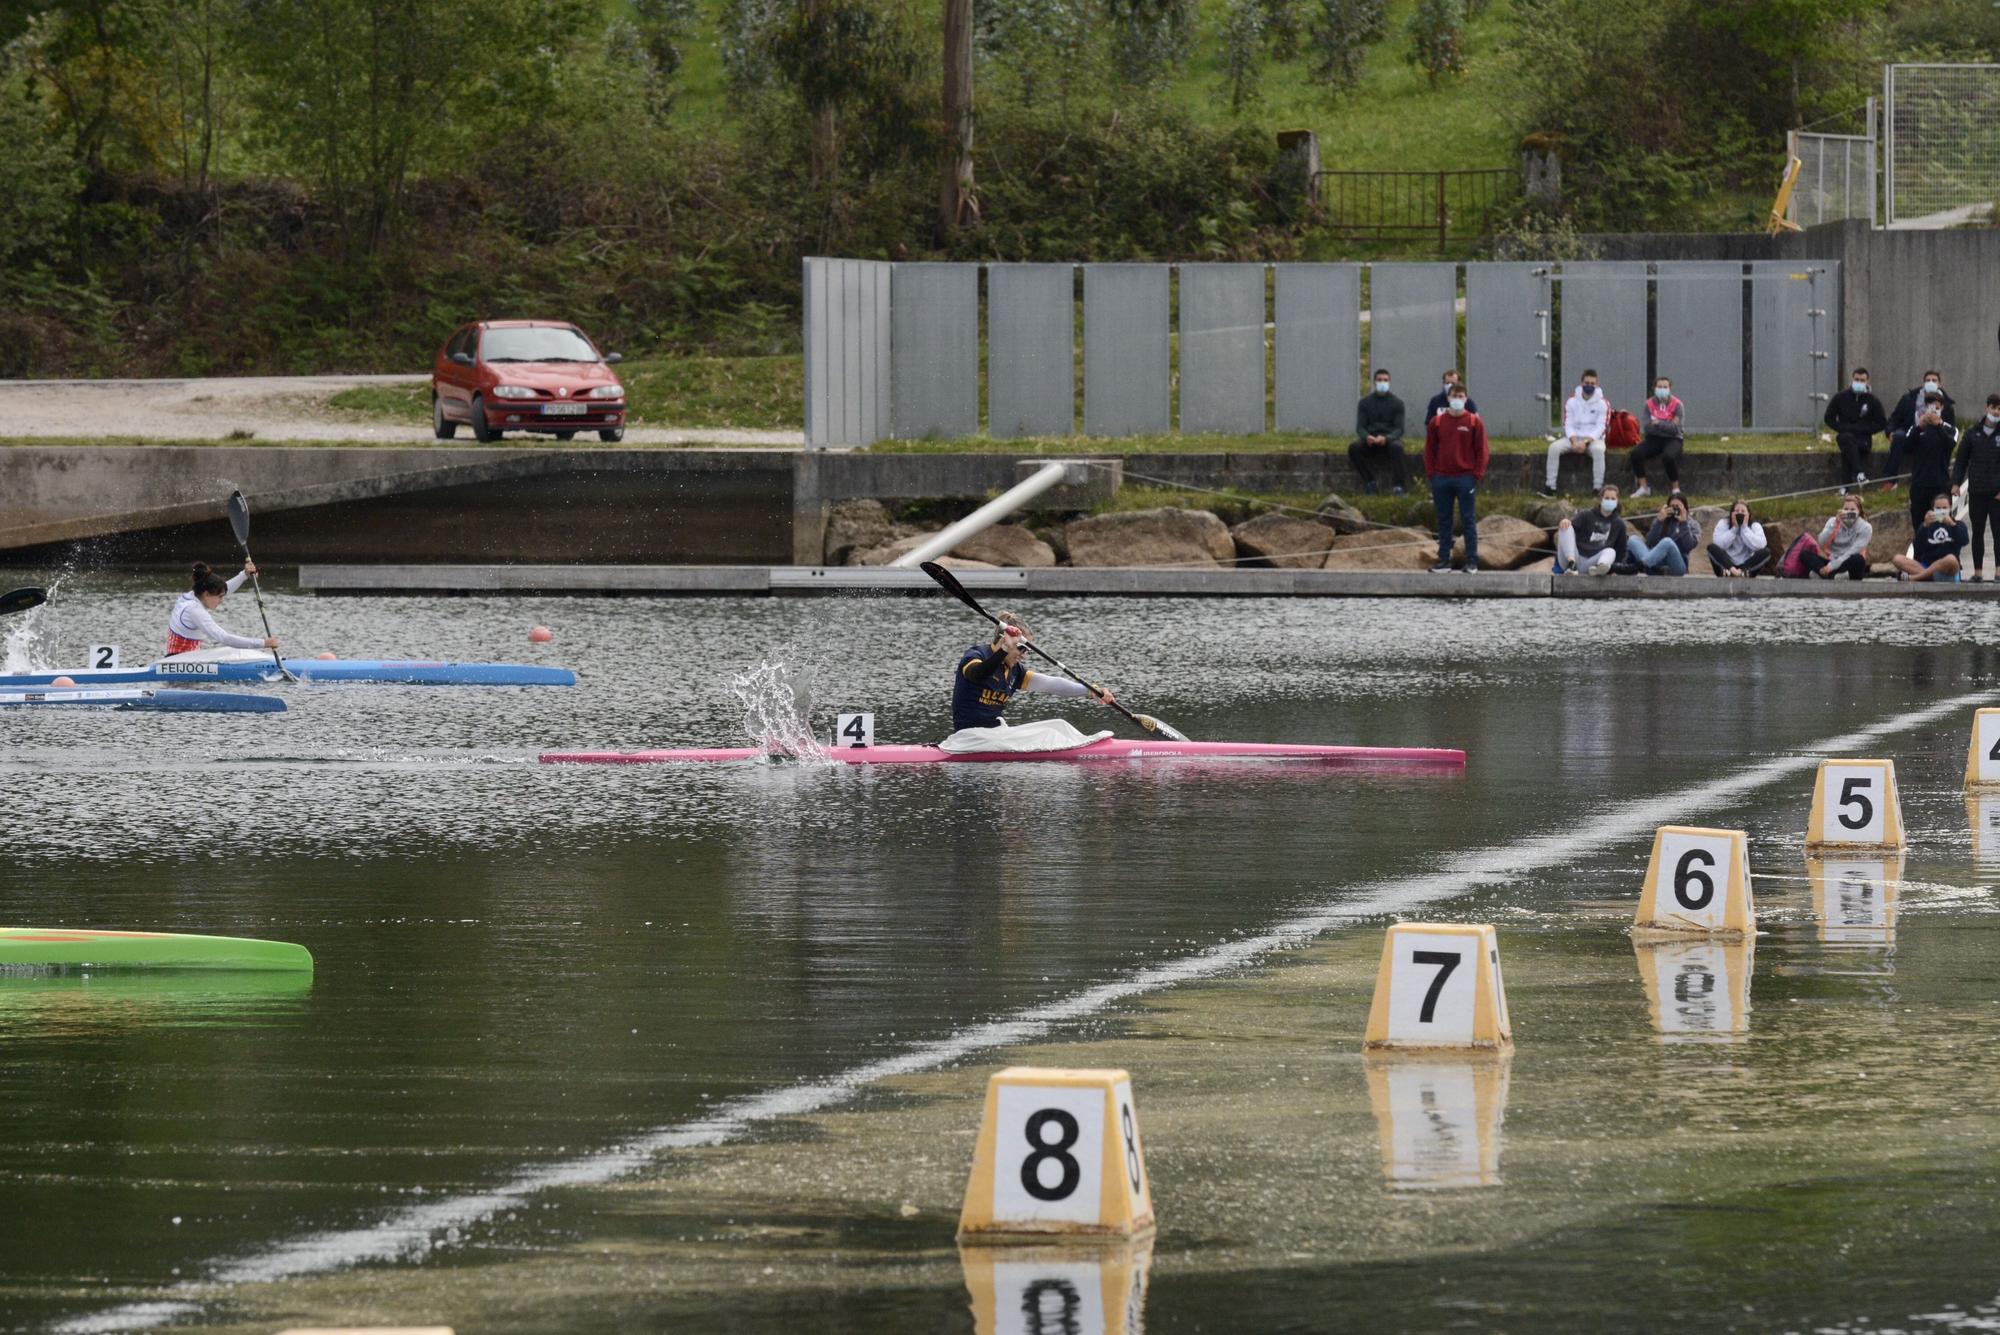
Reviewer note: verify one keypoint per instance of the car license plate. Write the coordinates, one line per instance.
(563, 410)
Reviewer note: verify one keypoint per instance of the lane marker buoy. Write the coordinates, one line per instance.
(1058, 1153)
(540, 635)
(1854, 898)
(1439, 986)
(1439, 1121)
(1080, 1289)
(1982, 752)
(1697, 990)
(1697, 883)
(1854, 805)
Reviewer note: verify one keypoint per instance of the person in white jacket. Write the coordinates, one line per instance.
(192, 622)
(1737, 548)
(1584, 420)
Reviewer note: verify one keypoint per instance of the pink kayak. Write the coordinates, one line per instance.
(1111, 748)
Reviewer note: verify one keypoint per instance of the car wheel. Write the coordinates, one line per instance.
(565, 435)
(612, 434)
(480, 431)
(442, 429)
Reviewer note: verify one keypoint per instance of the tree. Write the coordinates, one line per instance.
(1789, 37)
(1338, 38)
(39, 179)
(1437, 38)
(1243, 26)
(836, 55)
(957, 205)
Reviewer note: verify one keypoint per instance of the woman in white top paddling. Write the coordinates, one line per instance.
(193, 619)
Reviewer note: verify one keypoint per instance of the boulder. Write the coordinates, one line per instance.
(1341, 517)
(1283, 541)
(1545, 566)
(1383, 549)
(1893, 533)
(1505, 542)
(1006, 545)
(1162, 537)
(856, 526)
(1549, 512)
(889, 551)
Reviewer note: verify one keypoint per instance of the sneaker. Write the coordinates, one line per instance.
(1643, 490)
(1902, 577)
(1975, 579)
(1598, 569)
(1626, 568)
(1860, 481)
(1472, 567)
(1441, 568)
(1547, 493)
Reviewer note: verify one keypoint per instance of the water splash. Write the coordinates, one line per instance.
(777, 702)
(30, 637)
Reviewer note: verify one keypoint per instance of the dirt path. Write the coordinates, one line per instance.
(272, 408)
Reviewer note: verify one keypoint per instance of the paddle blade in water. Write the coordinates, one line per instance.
(239, 518)
(20, 600)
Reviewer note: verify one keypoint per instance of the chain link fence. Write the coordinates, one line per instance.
(1941, 127)
(1836, 177)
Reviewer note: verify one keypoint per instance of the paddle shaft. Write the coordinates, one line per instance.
(239, 521)
(952, 586)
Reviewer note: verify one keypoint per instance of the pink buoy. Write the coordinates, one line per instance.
(540, 635)
(63, 681)
(324, 657)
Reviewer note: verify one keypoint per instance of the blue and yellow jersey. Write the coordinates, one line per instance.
(981, 689)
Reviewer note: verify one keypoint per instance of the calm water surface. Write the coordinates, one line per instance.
(521, 963)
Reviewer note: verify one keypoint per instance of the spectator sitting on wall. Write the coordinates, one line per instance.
(1662, 440)
(1855, 416)
(1455, 459)
(1940, 539)
(1928, 447)
(1590, 542)
(1976, 467)
(1442, 399)
(1584, 419)
(1738, 548)
(1667, 545)
(1843, 543)
(1904, 420)
(1378, 437)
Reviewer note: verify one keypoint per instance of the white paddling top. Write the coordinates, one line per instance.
(191, 621)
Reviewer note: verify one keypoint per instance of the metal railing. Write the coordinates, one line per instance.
(1443, 204)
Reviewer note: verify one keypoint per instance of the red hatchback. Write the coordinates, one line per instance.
(525, 375)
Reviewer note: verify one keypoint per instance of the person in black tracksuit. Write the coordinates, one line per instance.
(1378, 437)
(1855, 417)
(1927, 449)
(1904, 419)
(1976, 467)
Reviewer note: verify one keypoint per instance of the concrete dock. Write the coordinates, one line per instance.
(656, 581)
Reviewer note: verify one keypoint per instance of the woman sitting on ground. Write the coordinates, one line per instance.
(1843, 544)
(1667, 544)
(1737, 548)
(1939, 540)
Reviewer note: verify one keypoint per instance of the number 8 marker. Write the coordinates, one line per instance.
(1058, 1152)
(1697, 883)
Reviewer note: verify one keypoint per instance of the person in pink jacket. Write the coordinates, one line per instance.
(1662, 438)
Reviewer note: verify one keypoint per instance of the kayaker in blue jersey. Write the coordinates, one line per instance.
(990, 674)
(192, 622)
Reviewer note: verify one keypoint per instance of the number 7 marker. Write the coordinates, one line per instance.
(1439, 987)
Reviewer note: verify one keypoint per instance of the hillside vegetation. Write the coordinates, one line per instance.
(197, 186)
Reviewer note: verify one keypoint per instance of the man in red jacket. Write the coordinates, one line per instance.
(1455, 456)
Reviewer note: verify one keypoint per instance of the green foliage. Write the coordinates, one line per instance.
(1339, 36)
(1243, 48)
(38, 179)
(1285, 27)
(1437, 38)
(1039, 46)
(1150, 39)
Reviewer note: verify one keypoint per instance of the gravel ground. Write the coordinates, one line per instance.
(273, 408)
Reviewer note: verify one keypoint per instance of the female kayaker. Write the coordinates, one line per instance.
(193, 618)
(989, 674)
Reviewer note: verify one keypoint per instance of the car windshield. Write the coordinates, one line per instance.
(537, 345)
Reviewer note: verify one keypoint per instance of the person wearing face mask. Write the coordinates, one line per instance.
(1738, 548)
(1455, 458)
(1928, 448)
(1843, 544)
(1939, 540)
(1855, 417)
(1590, 542)
(1976, 468)
(1378, 437)
(1667, 545)
(1584, 420)
(1904, 420)
(1442, 399)
(1663, 439)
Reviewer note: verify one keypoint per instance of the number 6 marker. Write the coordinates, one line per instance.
(1697, 884)
(1854, 805)
(1058, 1153)
(1439, 987)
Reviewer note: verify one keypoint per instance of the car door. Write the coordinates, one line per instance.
(459, 378)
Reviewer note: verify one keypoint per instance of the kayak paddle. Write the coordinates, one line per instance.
(949, 583)
(239, 519)
(20, 600)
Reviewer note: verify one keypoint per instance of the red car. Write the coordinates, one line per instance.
(498, 376)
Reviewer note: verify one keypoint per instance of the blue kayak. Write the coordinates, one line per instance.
(402, 672)
(99, 697)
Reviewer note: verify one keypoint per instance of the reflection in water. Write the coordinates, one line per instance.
(1982, 812)
(1854, 899)
(1083, 1288)
(68, 1003)
(1439, 1121)
(1697, 991)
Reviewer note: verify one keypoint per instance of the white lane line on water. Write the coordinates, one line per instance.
(414, 1231)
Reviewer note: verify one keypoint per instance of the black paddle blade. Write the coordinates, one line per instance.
(239, 518)
(20, 600)
(949, 583)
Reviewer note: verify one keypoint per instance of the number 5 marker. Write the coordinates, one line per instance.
(1854, 805)
(1439, 987)
(1697, 884)
(1058, 1153)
